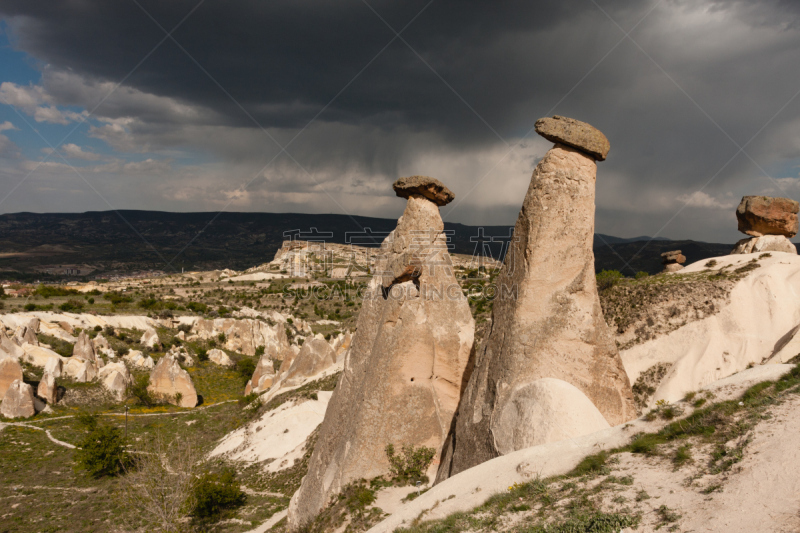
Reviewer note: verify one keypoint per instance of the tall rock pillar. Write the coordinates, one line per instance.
(404, 374)
(549, 348)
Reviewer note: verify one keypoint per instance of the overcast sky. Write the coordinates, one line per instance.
(318, 106)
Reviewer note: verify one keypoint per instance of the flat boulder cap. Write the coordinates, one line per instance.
(431, 188)
(576, 134)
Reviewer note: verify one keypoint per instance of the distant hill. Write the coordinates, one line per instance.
(140, 240)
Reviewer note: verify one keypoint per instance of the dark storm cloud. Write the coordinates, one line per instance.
(695, 82)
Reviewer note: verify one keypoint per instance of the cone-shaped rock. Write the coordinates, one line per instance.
(546, 321)
(18, 401)
(10, 371)
(168, 380)
(84, 349)
(404, 371)
(47, 389)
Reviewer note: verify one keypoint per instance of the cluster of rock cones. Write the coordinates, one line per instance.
(549, 369)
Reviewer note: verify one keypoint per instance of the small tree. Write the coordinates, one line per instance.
(608, 278)
(160, 484)
(215, 495)
(246, 367)
(102, 450)
(411, 466)
(139, 390)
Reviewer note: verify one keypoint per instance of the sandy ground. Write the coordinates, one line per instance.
(472, 487)
(762, 494)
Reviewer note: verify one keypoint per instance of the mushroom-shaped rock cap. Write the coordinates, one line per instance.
(764, 215)
(431, 188)
(574, 133)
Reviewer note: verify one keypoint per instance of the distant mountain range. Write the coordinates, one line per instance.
(143, 240)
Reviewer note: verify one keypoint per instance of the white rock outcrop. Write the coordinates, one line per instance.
(755, 326)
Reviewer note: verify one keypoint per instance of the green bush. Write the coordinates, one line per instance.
(101, 452)
(71, 306)
(30, 307)
(202, 354)
(46, 291)
(411, 466)
(215, 494)
(197, 307)
(246, 367)
(260, 351)
(117, 298)
(608, 278)
(186, 328)
(139, 390)
(641, 275)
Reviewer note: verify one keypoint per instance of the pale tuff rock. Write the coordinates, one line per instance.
(168, 379)
(9, 348)
(47, 389)
(574, 133)
(54, 367)
(548, 410)
(765, 243)
(244, 335)
(100, 343)
(263, 376)
(219, 357)
(431, 188)
(39, 355)
(149, 338)
(18, 401)
(83, 348)
(764, 215)
(25, 335)
(404, 371)
(33, 325)
(546, 321)
(181, 335)
(315, 356)
(10, 371)
(115, 378)
(137, 359)
(80, 370)
(66, 327)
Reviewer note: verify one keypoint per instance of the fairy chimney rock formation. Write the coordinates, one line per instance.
(770, 222)
(673, 261)
(546, 321)
(169, 381)
(405, 368)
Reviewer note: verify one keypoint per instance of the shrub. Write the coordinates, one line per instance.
(47, 291)
(139, 390)
(246, 367)
(202, 354)
(197, 307)
(102, 450)
(641, 275)
(117, 298)
(71, 306)
(608, 278)
(411, 466)
(221, 337)
(91, 301)
(215, 494)
(30, 307)
(186, 328)
(260, 351)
